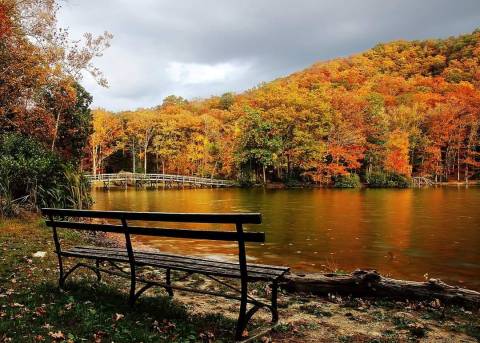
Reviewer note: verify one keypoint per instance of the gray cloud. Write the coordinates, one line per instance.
(200, 48)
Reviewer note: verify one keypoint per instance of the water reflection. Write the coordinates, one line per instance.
(404, 233)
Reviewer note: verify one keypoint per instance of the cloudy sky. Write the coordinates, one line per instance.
(198, 48)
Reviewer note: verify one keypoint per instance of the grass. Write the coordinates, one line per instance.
(33, 309)
(315, 310)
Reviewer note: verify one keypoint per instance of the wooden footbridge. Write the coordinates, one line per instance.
(157, 180)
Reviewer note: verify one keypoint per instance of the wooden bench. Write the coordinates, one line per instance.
(213, 269)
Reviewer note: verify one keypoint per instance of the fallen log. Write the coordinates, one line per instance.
(369, 283)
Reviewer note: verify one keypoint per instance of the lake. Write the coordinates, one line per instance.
(403, 233)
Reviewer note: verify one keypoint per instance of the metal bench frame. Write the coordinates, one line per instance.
(238, 219)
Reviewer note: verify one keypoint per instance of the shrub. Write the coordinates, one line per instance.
(246, 183)
(347, 181)
(399, 181)
(387, 180)
(32, 176)
(376, 179)
(294, 183)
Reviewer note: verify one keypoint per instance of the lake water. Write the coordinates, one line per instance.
(402, 233)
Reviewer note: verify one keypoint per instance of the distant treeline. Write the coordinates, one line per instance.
(400, 109)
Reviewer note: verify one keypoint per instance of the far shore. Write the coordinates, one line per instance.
(299, 184)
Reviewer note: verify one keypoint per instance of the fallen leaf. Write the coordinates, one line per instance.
(40, 311)
(5, 338)
(40, 254)
(57, 335)
(118, 316)
(97, 337)
(207, 336)
(436, 303)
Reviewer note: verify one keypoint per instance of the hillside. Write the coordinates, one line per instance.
(399, 109)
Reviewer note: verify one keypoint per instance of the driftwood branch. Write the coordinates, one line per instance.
(371, 284)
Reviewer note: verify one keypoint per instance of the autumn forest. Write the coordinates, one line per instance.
(400, 109)
(377, 118)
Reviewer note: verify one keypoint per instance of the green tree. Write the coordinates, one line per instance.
(226, 101)
(75, 126)
(257, 145)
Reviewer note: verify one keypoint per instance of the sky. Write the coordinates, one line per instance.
(196, 49)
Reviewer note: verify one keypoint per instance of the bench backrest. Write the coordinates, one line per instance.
(124, 216)
(57, 219)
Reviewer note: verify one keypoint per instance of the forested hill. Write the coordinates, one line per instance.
(399, 109)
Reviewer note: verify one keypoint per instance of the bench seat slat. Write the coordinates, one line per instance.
(164, 232)
(155, 257)
(178, 262)
(193, 258)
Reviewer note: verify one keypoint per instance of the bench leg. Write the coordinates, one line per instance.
(242, 317)
(274, 302)
(61, 279)
(245, 316)
(131, 299)
(169, 283)
(61, 283)
(131, 259)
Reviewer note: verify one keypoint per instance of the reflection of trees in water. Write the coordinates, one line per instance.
(405, 233)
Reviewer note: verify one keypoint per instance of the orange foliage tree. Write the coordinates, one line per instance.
(396, 157)
(406, 108)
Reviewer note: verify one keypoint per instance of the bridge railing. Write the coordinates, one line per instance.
(134, 177)
(422, 181)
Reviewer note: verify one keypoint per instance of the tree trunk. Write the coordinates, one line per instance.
(145, 160)
(214, 169)
(100, 158)
(458, 164)
(133, 155)
(371, 284)
(264, 175)
(94, 161)
(55, 132)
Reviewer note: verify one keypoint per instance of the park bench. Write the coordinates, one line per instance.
(213, 269)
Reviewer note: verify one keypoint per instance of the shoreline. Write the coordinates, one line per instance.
(299, 185)
(280, 185)
(357, 283)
